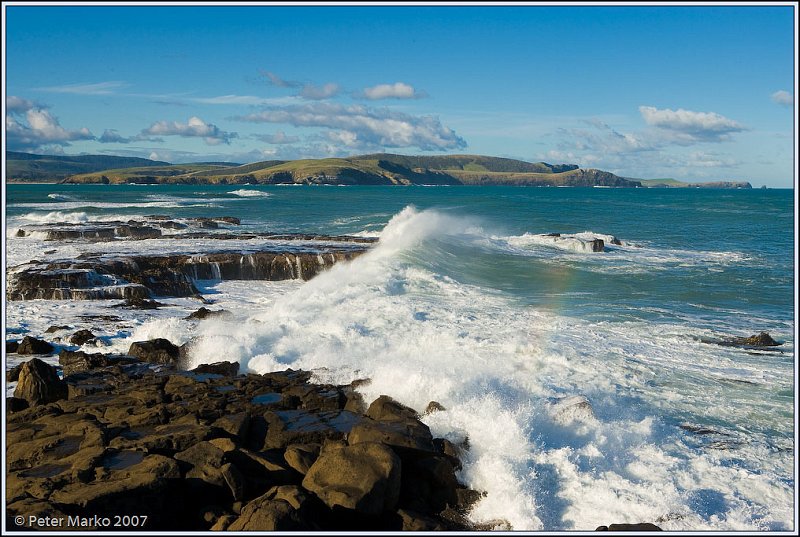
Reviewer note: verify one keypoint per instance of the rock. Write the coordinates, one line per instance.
(414, 521)
(384, 408)
(81, 336)
(31, 345)
(235, 425)
(11, 346)
(12, 375)
(56, 328)
(432, 407)
(616, 241)
(598, 245)
(301, 456)
(303, 427)
(139, 303)
(642, 526)
(363, 477)
(265, 514)
(155, 351)
(760, 340)
(226, 369)
(205, 313)
(407, 434)
(15, 404)
(38, 383)
(223, 522)
(229, 220)
(429, 484)
(566, 410)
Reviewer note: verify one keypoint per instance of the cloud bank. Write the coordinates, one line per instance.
(360, 126)
(31, 127)
(194, 128)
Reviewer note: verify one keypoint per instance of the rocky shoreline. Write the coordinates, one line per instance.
(136, 436)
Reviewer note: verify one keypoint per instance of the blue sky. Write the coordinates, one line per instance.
(696, 93)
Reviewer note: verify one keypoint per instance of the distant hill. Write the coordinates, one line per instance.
(674, 183)
(27, 167)
(372, 169)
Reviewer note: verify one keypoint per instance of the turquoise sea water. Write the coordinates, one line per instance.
(464, 301)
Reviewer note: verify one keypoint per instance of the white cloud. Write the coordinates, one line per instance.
(194, 128)
(783, 98)
(99, 88)
(275, 80)
(316, 93)
(30, 127)
(398, 90)
(689, 126)
(367, 126)
(111, 136)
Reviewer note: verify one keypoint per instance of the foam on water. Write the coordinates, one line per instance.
(507, 376)
(247, 193)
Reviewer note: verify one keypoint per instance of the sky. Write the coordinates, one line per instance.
(688, 92)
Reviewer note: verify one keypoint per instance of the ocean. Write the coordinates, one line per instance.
(587, 384)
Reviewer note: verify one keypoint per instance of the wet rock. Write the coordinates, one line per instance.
(235, 425)
(56, 328)
(139, 303)
(81, 336)
(432, 407)
(204, 313)
(760, 340)
(11, 346)
(384, 408)
(155, 351)
(429, 483)
(31, 345)
(642, 526)
(226, 369)
(303, 427)
(228, 220)
(38, 383)
(566, 410)
(598, 245)
(364, 478)
(415, 521)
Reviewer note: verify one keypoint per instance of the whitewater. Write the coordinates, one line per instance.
(578, 379)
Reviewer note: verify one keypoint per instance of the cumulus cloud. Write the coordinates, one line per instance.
(99, 88)
(111, 136)
(398, 90)
(279, 138)
(783, 98)
(689, 126)
(365, 126)
(194, 128)
(30, 127)
(310, 91)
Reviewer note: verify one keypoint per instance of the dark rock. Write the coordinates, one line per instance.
(228, 220)
(31, 345)
(760, 340)
(139, 303)
(616, 241)
(204, 313)
(235, 425)
(598, 245)
(39, 384)
(226, 369)
(415, 521)
(78, 361)
(155, 351)
(642, 526)
(15, 404)
(364, 478)
(12, 346)
(81, 336)
(432, 407)
(266, 514)
(12, 375)
(56, 328)
(429, 483)
(301, 456)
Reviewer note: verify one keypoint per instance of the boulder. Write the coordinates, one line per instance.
(11, 346)
(226, 369)
(78, 361)
(15, 404)
(364, 478)
(598, 245)
(39, 384)
(12, 375)
(266, 514)
(760, 340)
(81, 336)
(301, 456)
(384, 408)
(407, 434)
(642, 526)
(31, 345)
(155, 351)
